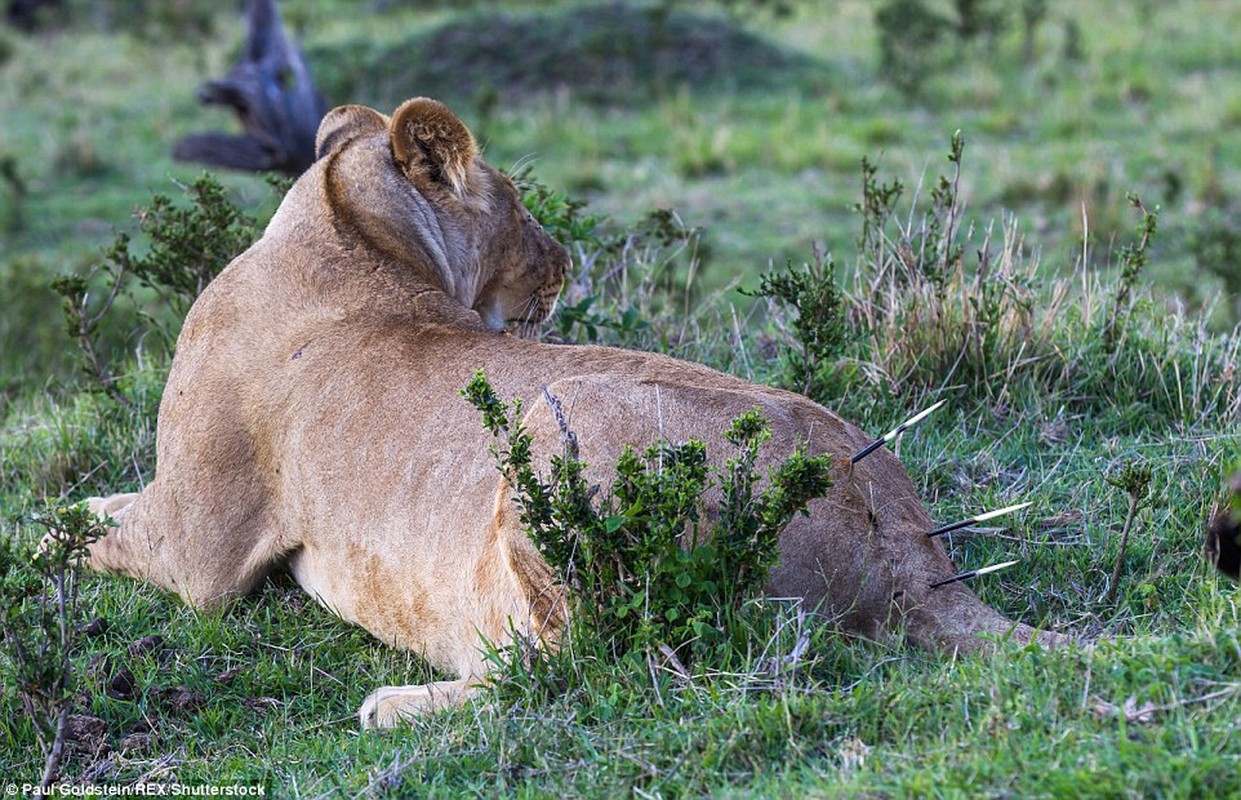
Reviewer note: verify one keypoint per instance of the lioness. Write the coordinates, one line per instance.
(312, 417)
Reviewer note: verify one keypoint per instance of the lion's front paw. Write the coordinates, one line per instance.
(391, 705)
(112, 507)
(45, 544)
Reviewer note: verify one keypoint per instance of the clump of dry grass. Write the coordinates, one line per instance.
(936, 306)
(964, 328)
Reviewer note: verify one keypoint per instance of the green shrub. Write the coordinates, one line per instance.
(647, 566)
(15, 192)
(1133, 258)
(559, 214)
(819, 330)
(911, 38)
(980, 19)
(918, 40)
(30, 345)
(1215, 243)
(636, 288)
(186, 247)
(39, 623)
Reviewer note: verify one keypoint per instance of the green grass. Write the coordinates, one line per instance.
(267, 690)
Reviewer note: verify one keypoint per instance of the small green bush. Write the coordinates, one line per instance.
(911, 38)
(15, 192)
(918, 40)
(1133, 258)
(819, 329)
(635, 288)
(920, 318)
(647, 566)
(561, 215)
(1215, 242)
(186, 247)
(39, 623)
(30, 344)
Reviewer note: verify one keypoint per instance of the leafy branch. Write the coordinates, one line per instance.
(39, 622)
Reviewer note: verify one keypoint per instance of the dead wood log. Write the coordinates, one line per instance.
(273, 95)
(30, 15)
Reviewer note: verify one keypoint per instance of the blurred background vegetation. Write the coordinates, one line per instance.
(748, 117)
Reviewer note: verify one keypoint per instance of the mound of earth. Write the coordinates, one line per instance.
(607, 54)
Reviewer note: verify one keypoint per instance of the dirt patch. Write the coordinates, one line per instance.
(87, 734)
(608, 54)
(153, 644)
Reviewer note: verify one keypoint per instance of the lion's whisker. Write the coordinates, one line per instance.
(522, 163)
(528, 317)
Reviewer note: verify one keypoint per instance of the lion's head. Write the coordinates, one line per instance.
(412, 189)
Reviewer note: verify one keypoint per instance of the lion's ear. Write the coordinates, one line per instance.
(344, 124)
(425, 133)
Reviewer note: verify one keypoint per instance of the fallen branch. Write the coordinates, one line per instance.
(274, 97)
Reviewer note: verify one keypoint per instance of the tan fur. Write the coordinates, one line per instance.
(312, 416)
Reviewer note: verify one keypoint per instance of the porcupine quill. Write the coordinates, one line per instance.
(897, 431)
(973, 573)
(892, 434)
(980, 518)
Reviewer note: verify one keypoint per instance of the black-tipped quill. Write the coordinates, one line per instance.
(974, 573)
(965, 523)
(892, 434)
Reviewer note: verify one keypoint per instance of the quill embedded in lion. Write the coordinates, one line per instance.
(312, 418)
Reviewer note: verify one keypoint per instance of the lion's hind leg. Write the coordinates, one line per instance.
(388, 706)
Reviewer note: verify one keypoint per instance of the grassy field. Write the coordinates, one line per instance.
(1060, 371)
